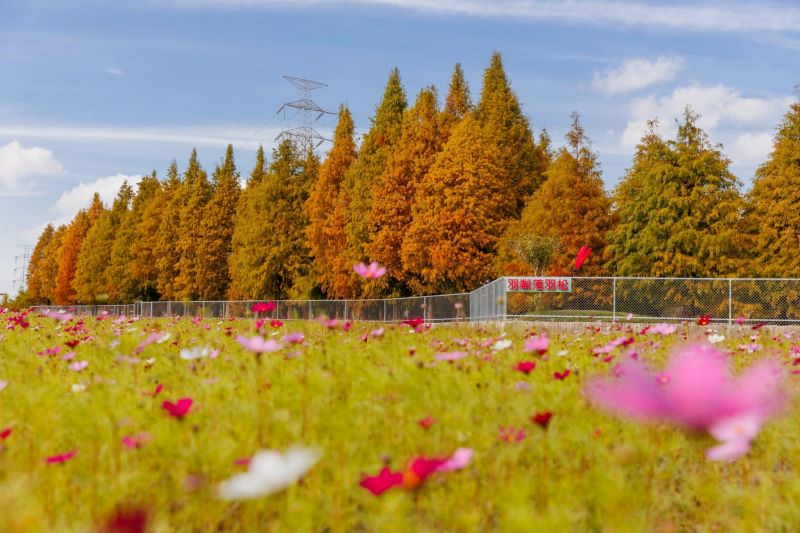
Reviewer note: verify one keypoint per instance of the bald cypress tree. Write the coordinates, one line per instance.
(92, 281)
(37, 282)
(679, 209)
(214, 248)
(422, 138)
(499, 112)
(326, 235)
(570, 206)
(195, 192)
(166, 251)
(461, 209)
(773, 215)
(49, 267)
(377, 146)
(124, 285)
(70, 249)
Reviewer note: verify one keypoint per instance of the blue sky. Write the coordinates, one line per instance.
(92, 91)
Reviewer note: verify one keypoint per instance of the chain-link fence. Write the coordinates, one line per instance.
(775, 301)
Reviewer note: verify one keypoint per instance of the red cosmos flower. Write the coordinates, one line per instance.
(275, 323)
(73, 343)
(525, 366)
(419, 470)
(263, 307)
(704, 320)
(61, 458)
(125, 521)
(542, 419)
(757, 326)
(562, 375)
(427, 422)
(5, 434)
(583, 254)
(179, 409)
(384, 481)
(414, 322)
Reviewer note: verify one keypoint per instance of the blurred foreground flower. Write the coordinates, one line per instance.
(269, 471)
(371, 271)
(697, 391)
(125, 521)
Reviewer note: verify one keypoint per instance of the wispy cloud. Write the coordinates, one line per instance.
(114, 72)
(216, 136)
(717, 16)
(636, 74)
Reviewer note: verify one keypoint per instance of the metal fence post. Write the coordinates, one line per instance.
(614, 299)
(730, 301)
(345, 310)
(425, 308)
(384, 310)
(310, 315)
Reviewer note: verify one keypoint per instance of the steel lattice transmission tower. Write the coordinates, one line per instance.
(20, 281)
(305, 136)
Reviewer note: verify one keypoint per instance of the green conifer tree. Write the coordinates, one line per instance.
(679, 209)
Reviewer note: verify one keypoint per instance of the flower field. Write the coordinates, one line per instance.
(257, 425)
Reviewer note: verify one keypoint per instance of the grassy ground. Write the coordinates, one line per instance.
(360, 403)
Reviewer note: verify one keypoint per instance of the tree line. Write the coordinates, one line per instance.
(445, 196)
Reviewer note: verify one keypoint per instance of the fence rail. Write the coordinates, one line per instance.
(768, 300)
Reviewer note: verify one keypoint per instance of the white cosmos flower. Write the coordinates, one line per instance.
(197, 352)
(715, 338)
(270, 471)
(78, 387)
(501, 345)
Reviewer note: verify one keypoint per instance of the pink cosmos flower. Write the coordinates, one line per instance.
(61, 458)
(510, 434)
(78, 366)
(136, 441)
(735, 434)
(373, 271)
(740, 320)
(153, 337)
(68, 356)
(451, 356)
(51, 351)
(63, 316)
(3, 384)
(178, 409)
(695, 391)
(538, 344)
(460, 458)
(294, 338)
(257, 344)
(663, 329)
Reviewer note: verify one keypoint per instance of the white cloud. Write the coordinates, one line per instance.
(80, 196)
(636, 74)
(744, 125)
(731, 16)
(114, 72)
(19, 165)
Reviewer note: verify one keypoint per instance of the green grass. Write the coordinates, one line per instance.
(359, 402)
